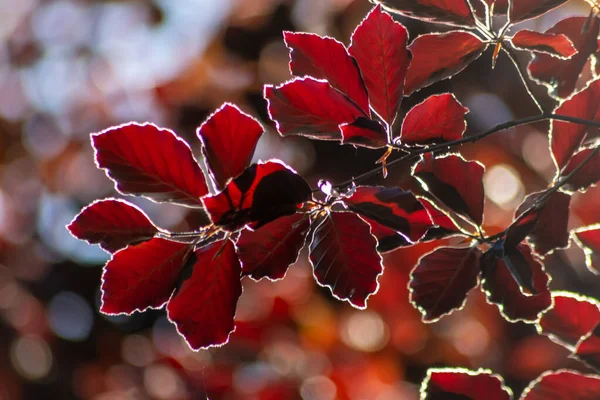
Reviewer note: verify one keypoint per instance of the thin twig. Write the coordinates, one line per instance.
(523, 76)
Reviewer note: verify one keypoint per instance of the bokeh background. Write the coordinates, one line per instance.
(72, 67)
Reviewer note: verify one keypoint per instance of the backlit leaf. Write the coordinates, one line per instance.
(588, 349)
(113, 224)
(139, 159)
(441, 280)
(142, 276)
(587, 176)
(344, 257)
(563, 385)
(204, 305)
(461, 383)
(451, 12)
(379, 47)
(364, 132)
(557, 45)
(229, 138)
(588, 238)
(521, 10)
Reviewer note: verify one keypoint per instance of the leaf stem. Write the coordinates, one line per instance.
(522, 75)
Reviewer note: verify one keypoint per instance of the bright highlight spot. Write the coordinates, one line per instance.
(70, 316)
(365, 331)
(318, 388)
(503, 185)
(31, 357)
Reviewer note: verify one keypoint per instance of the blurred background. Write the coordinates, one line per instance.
(72, 67)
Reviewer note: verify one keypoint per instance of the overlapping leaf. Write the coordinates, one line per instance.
(263, 193)
(308, 107)
(588, 349)
(437, 56)
(391, 207)
(588, 238)
(521, 10)
(364, 132)
(455, 182)
(326, 58)
(444, 226)
(379, 47)
(112, 224)
(142, 276)
(563, 385)
(557, 45)
(268, 251)
(344, 257)
(560, 76)
(550, 231)
(566, 137)
(451, 12)
(588, 175)
(439, 118)
(571, 317)
(441, 280)
(203, 307)
(461, 383)
(388, 239)
(139, 159)
(503, 290)
(229, 138)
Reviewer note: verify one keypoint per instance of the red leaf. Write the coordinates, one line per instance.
(502, 289)
(311, 108)
(451, 12)
(204, 306)
(263, 193)
(344, 257)
(379, 47)
(588, 238)
(441, 280)
(557, 45)
(588, 349)
(229, 138)
(563, 385)
(387, 238)
(587, 176)
(326, 58)
(437, 56)
(551, 231)
(142, 276)
(566, 137)
(560, 76)
(139, 159)
(364, 132)
(391, 207)
(571, 317)
(440, 118)
(444, 225)
(113, 224)
(455, 182)
(268, 251)
(459, 383)
(520, 10)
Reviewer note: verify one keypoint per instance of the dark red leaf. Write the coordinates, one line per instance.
(588, 238)
(268, 251)
(551, 231)
(379, 47)
(461, 383)
(113, 224)
(229, 138)
(571, 317)
(455, 182)
(588, 349)
(139, 159)
(444, 225)
(520, 228)
(566, 137)
(204, 305)
(557, 45)
(263, 193)
(502, 289)
(326, 58)
(391, 207)
(364, 132)
(563, 385)
(311, 108)
(440, 118)
(344, 257)
(142, 276)
(588, 175)
(387, 238)
(521, 10)
(437, 56)
(451, 12)
(560, 76)
(441, 280)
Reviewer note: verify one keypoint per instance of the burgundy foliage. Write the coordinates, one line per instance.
(563, 385)
(557, 45)
(588, 238)
(452, 12)
(588, 175)
(459, 383)
(521, 10)
(588, 349)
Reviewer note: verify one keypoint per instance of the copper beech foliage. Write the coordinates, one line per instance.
(261, 215)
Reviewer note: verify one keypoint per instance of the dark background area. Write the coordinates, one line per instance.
(72, 67)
